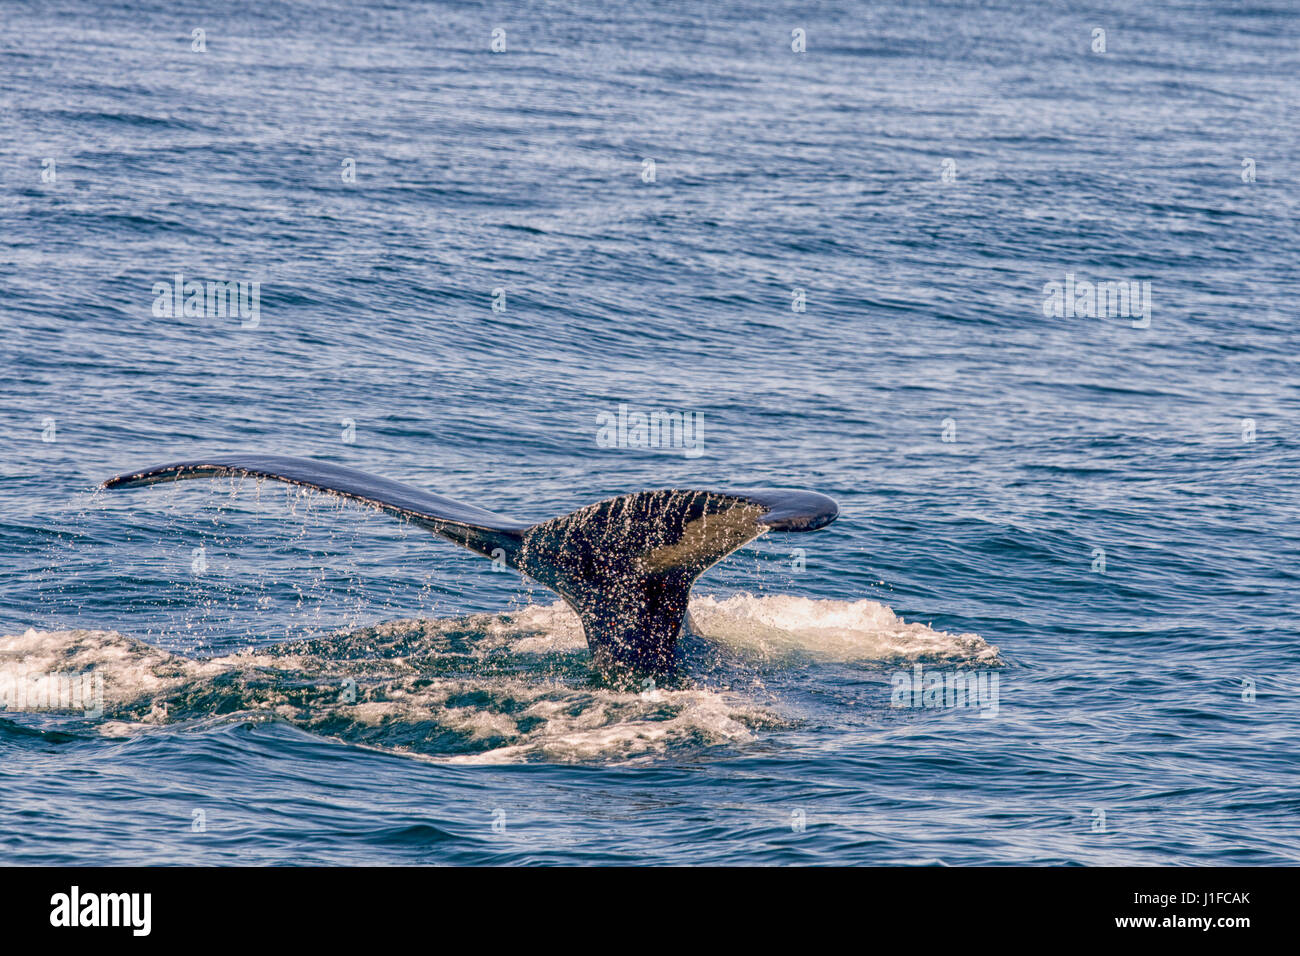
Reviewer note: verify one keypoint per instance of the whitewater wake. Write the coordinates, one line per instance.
(489, 688)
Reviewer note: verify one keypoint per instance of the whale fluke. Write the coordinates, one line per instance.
(625, 565)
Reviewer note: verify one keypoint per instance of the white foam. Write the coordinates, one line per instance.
(626, 726)
(778, 626)
(431, 688)
(131, 668)
(540, 629)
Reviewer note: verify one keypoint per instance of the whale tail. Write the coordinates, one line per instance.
(625, 565)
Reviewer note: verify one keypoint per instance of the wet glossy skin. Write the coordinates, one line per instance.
(625, 565)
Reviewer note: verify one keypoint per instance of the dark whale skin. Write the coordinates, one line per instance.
(625, 565)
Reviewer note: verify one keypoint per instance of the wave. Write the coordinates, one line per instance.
(776, 627)
(486, 688)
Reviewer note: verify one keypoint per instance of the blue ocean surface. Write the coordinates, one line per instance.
(1015, 284)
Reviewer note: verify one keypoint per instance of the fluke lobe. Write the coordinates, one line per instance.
(625, 565)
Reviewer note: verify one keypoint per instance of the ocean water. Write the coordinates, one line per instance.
(837, 262)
